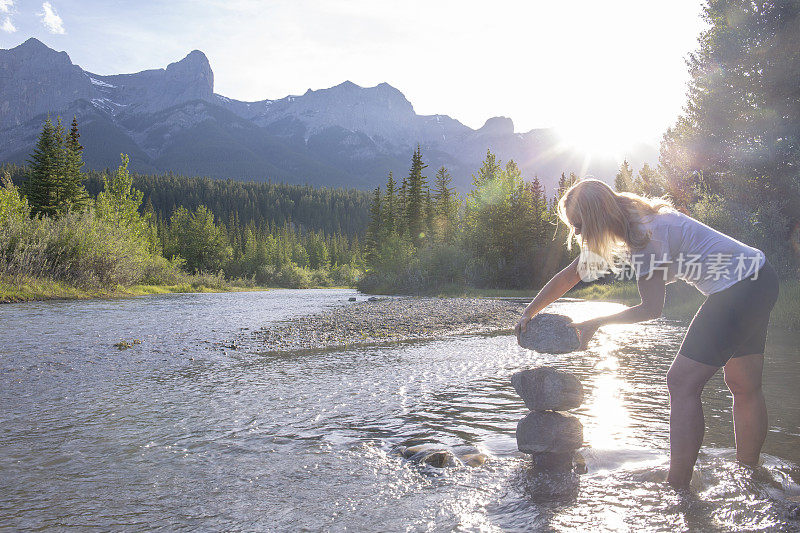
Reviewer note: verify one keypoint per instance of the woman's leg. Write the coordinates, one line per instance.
(743, 377)
(685, 381)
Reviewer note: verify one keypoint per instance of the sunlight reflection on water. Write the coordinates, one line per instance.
(179, 434)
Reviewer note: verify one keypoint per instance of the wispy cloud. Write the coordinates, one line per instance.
(8, 26)
(50, 19)
(7, 6)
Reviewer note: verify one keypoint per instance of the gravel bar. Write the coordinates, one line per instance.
(390, 320)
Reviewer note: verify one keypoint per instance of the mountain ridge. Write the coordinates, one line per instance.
(170, 119)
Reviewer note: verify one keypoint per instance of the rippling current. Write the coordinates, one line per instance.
(194, 429)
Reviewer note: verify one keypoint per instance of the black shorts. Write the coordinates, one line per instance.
(733, 322)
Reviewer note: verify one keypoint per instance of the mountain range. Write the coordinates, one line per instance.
(172, 120)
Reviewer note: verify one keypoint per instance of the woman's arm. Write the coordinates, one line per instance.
(651, 291)
(552, 291)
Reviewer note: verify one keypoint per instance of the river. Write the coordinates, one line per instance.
(194, 428)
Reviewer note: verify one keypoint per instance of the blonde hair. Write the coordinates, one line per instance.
(610, 223)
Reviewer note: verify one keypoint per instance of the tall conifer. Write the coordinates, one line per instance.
(374, 228)
(73, 193)
(390, 206)
(415, 199)
(44, 162)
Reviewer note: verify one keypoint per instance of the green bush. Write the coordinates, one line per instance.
(345, 275)
(77, 249)
(433, 267)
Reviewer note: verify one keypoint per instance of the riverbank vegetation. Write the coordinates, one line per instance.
(57, 240)
(424, 238)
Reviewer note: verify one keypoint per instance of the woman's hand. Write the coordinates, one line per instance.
(522, 325)
(585, 331)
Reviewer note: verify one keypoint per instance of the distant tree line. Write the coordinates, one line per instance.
(265, 204)
(424, 237)
(278, 235)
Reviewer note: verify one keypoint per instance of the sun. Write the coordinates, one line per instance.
(599, 138)
(604, 125)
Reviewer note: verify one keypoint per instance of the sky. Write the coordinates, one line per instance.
(605, 73)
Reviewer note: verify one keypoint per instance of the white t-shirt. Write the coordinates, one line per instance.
(683, 248)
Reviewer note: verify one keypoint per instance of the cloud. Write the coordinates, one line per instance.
(50, 19)
(7, 6)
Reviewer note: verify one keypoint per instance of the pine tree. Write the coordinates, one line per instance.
(623, 182)
(490, 169)
(389, 216)
(402, 197)
(59, 183)
(373, 237)
(55, 182)
(41, 186)
(444, 194)
(649, 182)
(73, 193)
(415, 201)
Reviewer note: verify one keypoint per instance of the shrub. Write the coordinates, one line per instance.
(77, 249)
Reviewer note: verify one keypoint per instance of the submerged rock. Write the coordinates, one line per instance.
(474, 459)
(410, 451)
(124, 345)
(549, 431)
(553, 461)
(546, 388)
(550, 333)
(437, 456)
(438, 459)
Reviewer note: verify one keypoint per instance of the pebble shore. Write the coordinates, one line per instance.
(390, 320)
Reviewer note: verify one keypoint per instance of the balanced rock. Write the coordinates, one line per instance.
(546, 388)
(550, 333)
(548, 431)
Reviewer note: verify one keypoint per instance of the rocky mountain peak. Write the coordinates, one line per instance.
(194, 71)
(346, 85)
(35, 50)
(498, 126)
(35, 79)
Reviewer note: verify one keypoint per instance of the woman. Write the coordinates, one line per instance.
(728, 331)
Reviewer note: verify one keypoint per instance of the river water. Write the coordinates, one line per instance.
(194, 429)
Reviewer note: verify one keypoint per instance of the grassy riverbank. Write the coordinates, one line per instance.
(28, 289)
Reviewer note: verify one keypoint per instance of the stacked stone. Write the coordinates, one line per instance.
(550, 333)
(549, 434)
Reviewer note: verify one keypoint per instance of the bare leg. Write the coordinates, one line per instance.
(685, 381)
(743, 377)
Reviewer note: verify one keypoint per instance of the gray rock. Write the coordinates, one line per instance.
(554, 461)
(550, 333)
(547, 388)
(548, 431)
